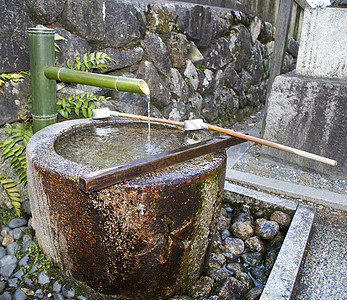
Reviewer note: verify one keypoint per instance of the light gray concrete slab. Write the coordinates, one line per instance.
(282, 278)
(323, 44)
(324, 273)
(323, 197)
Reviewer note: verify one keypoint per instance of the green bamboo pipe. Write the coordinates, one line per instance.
(106, 81)
(42, 55)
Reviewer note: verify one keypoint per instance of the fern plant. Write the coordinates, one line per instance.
(82, 103)
(95, 60)
(15, 145)
(10, 76)
(10, 187)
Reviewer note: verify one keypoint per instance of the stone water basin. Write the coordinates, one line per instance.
(147, 237)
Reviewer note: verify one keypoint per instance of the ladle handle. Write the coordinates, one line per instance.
(145, 118)
(275, 145)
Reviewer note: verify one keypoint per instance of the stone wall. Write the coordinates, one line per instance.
(199, 61)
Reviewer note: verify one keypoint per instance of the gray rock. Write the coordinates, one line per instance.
(80, 297)
(234, 245)
(231, 289)
(252, 258)
(242, 230)
(282, 219)
(245, 279)
(255, 293)
(12, 282)
(266, 33)
(45, 12)
(18, 274)
(218, 54)
(28, 281)
(234, 267)
(121, 24)
(160, 93)
(2, 252)
(157, 52)
(58, 296)
(57, 286)
(230, 257)
(202, 288)
(27, 237)
(26, 207)
(176, 111)
(232, 79)
(206, 82)
(179, 48)
(24, 261)
(192, 75)
(217, 261)
(12, 248)
(16, 233)
(228, 103)
(43, 278)
(8, 260)
(6, 296)
(194, 106)
(266, 229)
(34, 268)
(209, 108)
(39, 293)
(218, 274)
(17, 222)
(68, 291)
(254, 243)
(14, 37)
(270, 259)
(198, 24)
(258, 274)
(178, 86)
(123, 58)
(84, 18)
(240, 45)
(225, 233)
(7, 270)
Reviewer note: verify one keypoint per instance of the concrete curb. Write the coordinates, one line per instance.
(282, 278)
(318, 196)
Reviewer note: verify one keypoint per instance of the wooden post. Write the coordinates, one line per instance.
(281, 37)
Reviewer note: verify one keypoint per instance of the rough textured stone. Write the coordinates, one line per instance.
(242, 230)
(121, 24)
(308, 114)
(266, 33)
(218, 54)
(266, 229)
(123, 58)
(254, 293)
(91, 12)
(157, 52)
(240, 46)
(178, 86)
(14, 51)
(217, 261)
(231, 289)
(198, 24)
(232, 79)
(178, 47)
(323, 48)
(217, 274)
(192, 75)
(209, 108)
(254, 243)
(202, 288)
(282, 219)
(45, 11)
(234, 245)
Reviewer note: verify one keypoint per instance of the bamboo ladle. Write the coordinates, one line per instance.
(198, 124)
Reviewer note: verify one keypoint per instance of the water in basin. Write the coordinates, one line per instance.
(111, 145)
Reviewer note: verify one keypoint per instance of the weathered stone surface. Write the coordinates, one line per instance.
(231, 289)
(242, 230)
(323, 48)
(209, 108)
(198, 24)
(228, 103)
(70, 48)
(175, 111)
(195, 106)
(13, 96)
(45, 11)
(254, 293)
(266, 33)
(310, 115)
(84, 18)
(282, 219)
(232, 79)
(245, 279)
(14, 50)
(255, 64)
(123, 58)
(234, 245)
(178, 86)
(218, 54)
(178, 47)
(206, 81)
(217, 274)
(160, 93)
(121, 24)
(216, 260)
(252, 258)
(161, 17)
(240, 46)
(255, 28)
(293, 47)
(192, 75)
(254, 243)
(265, 229)
(157, 52)
(202, 288)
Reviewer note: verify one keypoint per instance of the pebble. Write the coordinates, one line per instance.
(68, 291)
(235, 246)
(43, 278)
(17, 222)
(266, 230)
(19, 295)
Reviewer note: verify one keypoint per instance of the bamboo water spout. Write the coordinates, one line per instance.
(44, 75)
